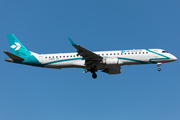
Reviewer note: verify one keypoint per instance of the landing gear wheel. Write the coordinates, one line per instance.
(159, 69)
(94, 75)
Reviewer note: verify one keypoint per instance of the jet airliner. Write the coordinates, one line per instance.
(107, 61)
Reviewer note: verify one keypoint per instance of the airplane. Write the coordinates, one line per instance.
(107, 61)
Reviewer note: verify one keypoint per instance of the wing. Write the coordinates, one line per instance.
(87, 55)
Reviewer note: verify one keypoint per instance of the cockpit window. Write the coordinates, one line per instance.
(164, 52)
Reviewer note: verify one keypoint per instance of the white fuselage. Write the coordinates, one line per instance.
(127, 57)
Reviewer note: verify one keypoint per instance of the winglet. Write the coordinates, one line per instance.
(72, 41)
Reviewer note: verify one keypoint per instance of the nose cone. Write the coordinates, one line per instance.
(174, 58)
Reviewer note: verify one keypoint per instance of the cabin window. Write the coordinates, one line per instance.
(146, 52)
(125, 53)
(49, 57)
(102, 54)
(121, 53)
(67, 56)
(45, 57)
(110, 54)
(132, 52)
(139, 52)
(135, 52)
(128, 53)
(63, 56)
(117, 53)
(106, 54)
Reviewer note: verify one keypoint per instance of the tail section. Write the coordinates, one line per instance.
(17, 48)
(20, 54)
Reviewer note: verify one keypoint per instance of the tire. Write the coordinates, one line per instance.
(94, 75)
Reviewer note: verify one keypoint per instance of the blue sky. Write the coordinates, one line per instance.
(138, 93)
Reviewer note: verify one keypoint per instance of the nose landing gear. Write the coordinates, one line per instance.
(158, 64)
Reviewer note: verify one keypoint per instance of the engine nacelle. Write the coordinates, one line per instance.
(112, 61)
(114, 70)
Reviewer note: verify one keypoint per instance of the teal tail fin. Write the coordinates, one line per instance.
(17, 48)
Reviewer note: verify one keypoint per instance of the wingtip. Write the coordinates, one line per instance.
(71, 41)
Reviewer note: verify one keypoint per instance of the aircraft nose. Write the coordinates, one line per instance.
(174, 58)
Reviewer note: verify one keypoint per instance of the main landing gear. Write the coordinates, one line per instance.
(94, 75)
(93, 71)
(158, 64)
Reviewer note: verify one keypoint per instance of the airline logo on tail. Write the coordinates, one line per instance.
(17, 46)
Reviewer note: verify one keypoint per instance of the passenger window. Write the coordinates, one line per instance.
(139, 52)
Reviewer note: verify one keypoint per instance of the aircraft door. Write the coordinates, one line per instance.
(41, 59)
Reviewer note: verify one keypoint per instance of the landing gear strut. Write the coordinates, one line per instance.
(158, 64)
(93, 71)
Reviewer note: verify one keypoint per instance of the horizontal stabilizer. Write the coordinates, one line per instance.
(12, 56)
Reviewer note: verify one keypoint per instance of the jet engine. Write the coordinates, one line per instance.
(114, 70)
(112, 61)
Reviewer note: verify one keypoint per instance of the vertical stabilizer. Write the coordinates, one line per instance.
(17, 48)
